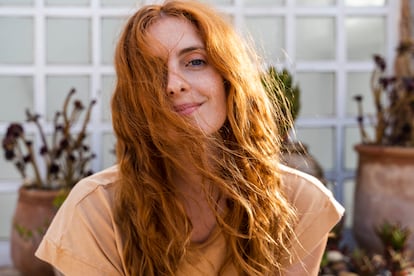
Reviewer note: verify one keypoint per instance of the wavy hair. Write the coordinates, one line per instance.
(152, 141)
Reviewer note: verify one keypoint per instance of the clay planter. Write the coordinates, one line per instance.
(384, 192)
(33, 214)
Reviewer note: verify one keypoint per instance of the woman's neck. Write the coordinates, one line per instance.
(193, 192)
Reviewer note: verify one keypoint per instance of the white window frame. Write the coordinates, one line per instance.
(340, 66)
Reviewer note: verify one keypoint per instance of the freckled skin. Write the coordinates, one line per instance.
(194, 86)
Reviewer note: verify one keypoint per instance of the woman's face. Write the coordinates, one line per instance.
(194, 87)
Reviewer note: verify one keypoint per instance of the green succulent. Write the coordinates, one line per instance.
(393, 235)
(282, 89)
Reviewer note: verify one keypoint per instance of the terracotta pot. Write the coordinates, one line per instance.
(384, 192)
(33, 214)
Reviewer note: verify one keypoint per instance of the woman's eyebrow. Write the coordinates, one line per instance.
(190, 49)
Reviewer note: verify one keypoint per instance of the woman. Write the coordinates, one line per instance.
(197, 189)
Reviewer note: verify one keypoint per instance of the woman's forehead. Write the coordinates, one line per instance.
(171, 34)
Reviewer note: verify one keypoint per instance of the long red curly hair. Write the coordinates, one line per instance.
(156, 230)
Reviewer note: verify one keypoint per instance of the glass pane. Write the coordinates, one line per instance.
(15, 2)
(16, 36)
(365, 37)
(58, 87)
(264, 2)
(63, 48)
(7, 205)
(315, 38)
(108, 150)
(366, 3)
(320, 144)
(268, 35)
(349, 190)
(358, 83)
(317, 95)
(316, 2)
(17, 95)
(111, 29)
(352, 138)
(67, 2)
(130, 3)
(108, 85)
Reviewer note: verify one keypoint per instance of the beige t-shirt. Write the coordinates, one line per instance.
(83, 238)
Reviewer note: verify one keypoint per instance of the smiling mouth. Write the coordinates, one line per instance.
(186, 109)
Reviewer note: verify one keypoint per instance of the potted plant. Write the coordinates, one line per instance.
(286, 94)
(47, 176)
(394, 260)
(385, 173)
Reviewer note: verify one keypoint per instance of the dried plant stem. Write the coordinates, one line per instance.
(47, 157)
(69, 173)
(39, 183)
(85, 124)
(65, 113)
(20, 153)
(362, 131)
(73, 116)
(55, 132)
(376, 89)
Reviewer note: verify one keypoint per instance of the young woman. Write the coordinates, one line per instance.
(197, 189)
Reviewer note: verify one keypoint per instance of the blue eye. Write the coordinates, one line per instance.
(196, 62)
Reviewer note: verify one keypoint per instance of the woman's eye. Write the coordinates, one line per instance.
(196, 62)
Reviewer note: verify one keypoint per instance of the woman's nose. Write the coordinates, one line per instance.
(176, 84)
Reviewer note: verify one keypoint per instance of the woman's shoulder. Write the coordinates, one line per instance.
(103, 179)
(311, 199)
(85, 217)
(98, 185)
(317, 210)
(300, 186)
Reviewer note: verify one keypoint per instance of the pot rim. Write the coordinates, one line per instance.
(37, 195)
(375, 150)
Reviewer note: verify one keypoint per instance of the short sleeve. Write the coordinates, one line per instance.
(81, 239)
(318, 212)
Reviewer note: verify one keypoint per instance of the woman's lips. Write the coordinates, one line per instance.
(186, 109)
